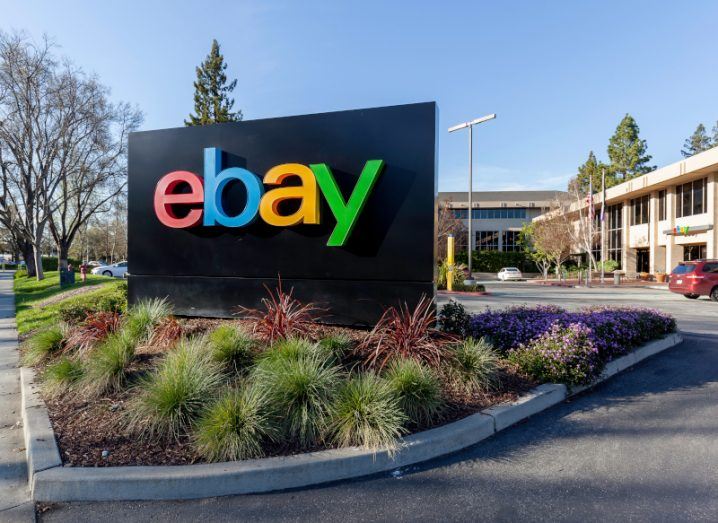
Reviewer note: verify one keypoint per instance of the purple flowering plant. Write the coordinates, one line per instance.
(562, 354)
(614, 331)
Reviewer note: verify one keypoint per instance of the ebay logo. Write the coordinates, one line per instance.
(204, 197)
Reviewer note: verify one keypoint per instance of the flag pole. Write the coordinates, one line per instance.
(590, 230)
(603, 225)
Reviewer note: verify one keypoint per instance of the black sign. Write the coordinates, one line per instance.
(341, 206)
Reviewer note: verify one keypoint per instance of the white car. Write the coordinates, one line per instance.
(116, 270)
(510, 273)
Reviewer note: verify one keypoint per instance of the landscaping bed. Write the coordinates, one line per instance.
(140, 387)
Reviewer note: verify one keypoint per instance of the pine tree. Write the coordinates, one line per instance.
(590, 170)
(698, 142)
(627, 152)
(715, 135)
(212, 103)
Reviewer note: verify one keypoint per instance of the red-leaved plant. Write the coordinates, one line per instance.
(283, 316)
(166, 333)
(406, 333)
(96, 327)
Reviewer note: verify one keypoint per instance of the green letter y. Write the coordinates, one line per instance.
(347, 213)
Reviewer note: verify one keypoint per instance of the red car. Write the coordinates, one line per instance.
(695, 278)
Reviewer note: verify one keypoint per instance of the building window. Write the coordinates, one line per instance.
(662, 205)
(511, 241)
(499, 214)
(694, 252)
(487, 240)
(639, 207)
(614, 217)
(691, 198)
(460, 214)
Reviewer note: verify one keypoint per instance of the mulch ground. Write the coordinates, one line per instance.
(85, 429)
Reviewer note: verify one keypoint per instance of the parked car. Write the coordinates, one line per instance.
(116, 270)
(695, 278)
(94, 263)
(510, 273)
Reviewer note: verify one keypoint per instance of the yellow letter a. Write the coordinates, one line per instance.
(308, 211)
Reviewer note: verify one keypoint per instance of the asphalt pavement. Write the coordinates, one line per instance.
(642, 446)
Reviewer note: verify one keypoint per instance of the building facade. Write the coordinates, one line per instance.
(497, 216)
(661, 218)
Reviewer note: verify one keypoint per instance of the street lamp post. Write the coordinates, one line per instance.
(470, 125)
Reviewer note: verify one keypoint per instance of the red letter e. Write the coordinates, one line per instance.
(165, 198)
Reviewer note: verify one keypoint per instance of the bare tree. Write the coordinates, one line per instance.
(579, 214)
(98, 172)
(56, 136)
(552, 240)
(448, 223)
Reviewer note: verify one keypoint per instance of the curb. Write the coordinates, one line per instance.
(40, 446)
(51, 482)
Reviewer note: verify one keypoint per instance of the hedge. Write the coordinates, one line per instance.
(494, 261)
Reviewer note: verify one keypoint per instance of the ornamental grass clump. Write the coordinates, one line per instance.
(418, 389)
(62, 375)
(562, 355)
(44, 344)
(107, 364)
(336, 345)
(299, 390)
(366, 413)
(283, 316)
(403, 333)
(474, 366)
(235, 426)
(171, 399)
(290, 349)
(232, 348)
(142, 318)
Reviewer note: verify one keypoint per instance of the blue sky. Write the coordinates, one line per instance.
(560, 75)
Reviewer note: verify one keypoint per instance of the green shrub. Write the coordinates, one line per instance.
(231, 347)
(459, 275)
(289, 349)
(106, 365)
(20, 273)
(454, 319)
(336, 345)
(366, 413)
(234, 427)
(171, 399)
(142, 318)
(299, 389)
(111, 299)
(493, 261)
(50, 263)
(44, 344)
(474, 366)
(417, 387)
(62, 375)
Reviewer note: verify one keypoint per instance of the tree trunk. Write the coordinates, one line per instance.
(29, 257)
(62, 254)
(37, 255)
(37, 250)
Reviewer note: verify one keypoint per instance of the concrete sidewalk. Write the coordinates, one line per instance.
(15, 504)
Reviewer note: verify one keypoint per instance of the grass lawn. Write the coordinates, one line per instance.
(30, 293)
